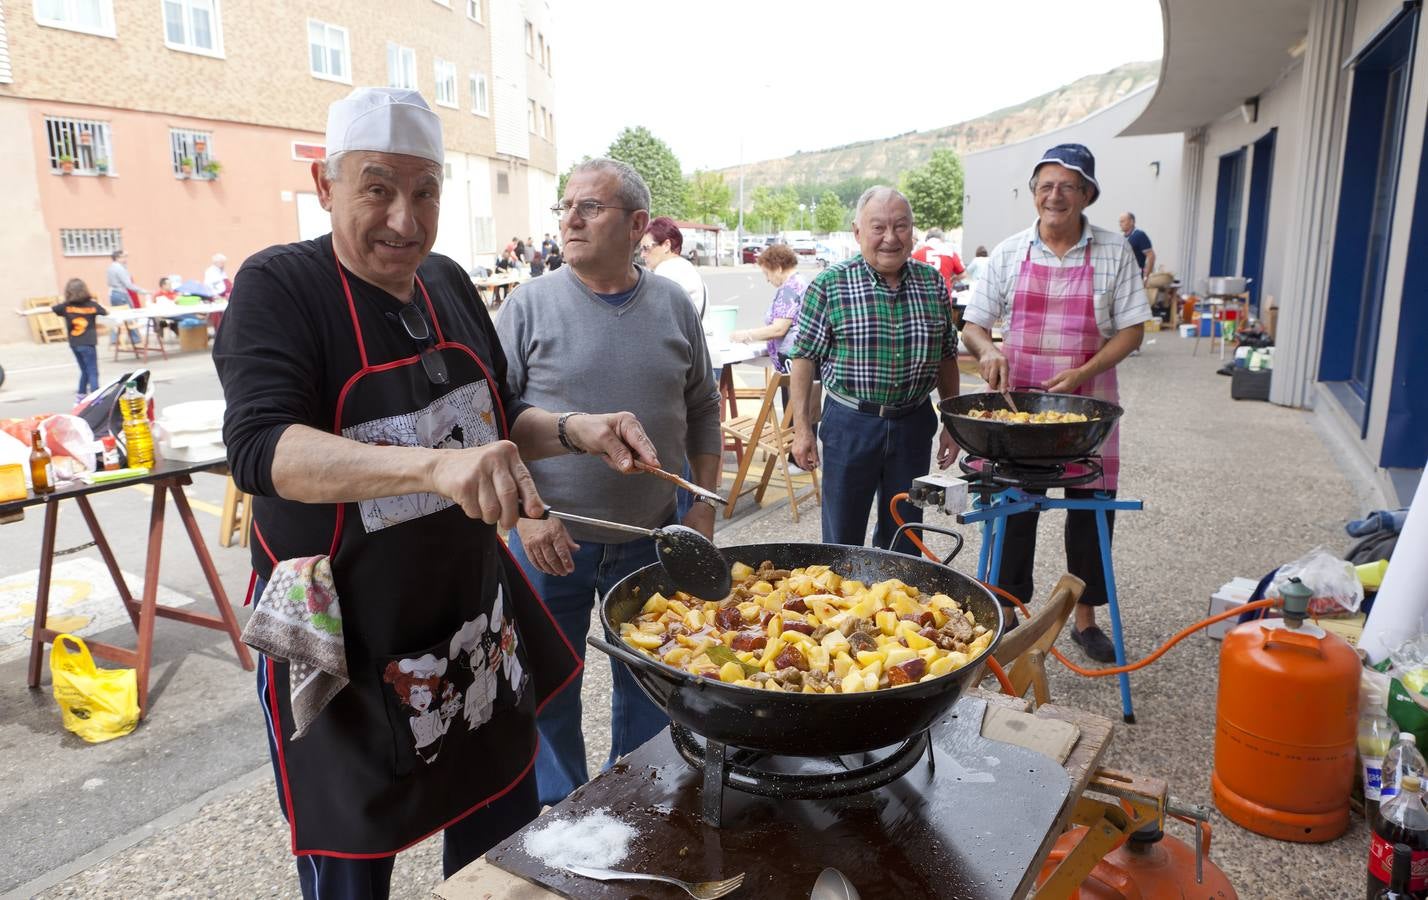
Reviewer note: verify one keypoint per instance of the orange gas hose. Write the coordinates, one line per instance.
(1079, 670)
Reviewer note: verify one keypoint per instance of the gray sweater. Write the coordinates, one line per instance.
(568, 350)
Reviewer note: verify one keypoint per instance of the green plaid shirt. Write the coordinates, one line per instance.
(874, 344)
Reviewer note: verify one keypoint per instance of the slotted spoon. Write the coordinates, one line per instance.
(693, 564)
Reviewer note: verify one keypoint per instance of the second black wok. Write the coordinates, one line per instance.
(1051, 442)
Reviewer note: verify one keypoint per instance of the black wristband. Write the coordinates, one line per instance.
(560, 432)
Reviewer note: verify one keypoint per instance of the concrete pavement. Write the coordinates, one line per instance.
(185, 806)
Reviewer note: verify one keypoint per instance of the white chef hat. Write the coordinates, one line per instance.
(387, 120)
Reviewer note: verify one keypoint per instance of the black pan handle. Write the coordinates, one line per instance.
(623, 654)
(935, 528)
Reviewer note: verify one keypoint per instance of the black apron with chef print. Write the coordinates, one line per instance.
(440, 628)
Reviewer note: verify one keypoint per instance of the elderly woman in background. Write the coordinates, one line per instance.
(661, 247)
(781, 321)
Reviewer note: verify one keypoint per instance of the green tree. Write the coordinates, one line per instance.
(657, 165)
(830, 213)
(935, 191)
(707, 197)
(565, 178)
(772, 210)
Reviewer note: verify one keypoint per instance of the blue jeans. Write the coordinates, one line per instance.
(634, 718)
(866, 456)
(87, 355)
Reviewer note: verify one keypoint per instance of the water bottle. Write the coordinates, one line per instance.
(138, 439)
(1376, 733)
(1402, 820)
(1402, 758)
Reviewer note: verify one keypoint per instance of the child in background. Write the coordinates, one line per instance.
(79, 310)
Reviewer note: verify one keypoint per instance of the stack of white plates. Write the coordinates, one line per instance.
(191, 431)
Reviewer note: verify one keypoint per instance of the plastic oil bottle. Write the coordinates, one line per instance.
(138, 439)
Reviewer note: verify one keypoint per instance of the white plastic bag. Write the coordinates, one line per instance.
(72, 445)
(1335, 585)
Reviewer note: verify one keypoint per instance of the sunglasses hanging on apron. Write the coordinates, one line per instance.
(440, 627)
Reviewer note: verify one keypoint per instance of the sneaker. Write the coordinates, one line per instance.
(1094, 643)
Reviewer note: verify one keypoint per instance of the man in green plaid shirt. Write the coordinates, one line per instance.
(878, 330)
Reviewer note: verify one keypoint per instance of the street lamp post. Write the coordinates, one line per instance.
(739, 232)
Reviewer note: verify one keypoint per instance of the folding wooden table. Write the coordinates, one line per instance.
(168, 479)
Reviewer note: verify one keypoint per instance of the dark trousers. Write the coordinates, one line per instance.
(87, 355)
(1083, 549)
(868, 459)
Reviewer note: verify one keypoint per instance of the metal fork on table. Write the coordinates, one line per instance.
(700, 890)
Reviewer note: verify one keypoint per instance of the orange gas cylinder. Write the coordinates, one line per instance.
(1286, 729)
(1149, 866)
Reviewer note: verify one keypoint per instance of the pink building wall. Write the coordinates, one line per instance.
(170, 224)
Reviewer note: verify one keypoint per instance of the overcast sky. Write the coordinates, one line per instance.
(787, 75)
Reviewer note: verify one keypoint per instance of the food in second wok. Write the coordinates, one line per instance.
(1046, 417)
(809, 630)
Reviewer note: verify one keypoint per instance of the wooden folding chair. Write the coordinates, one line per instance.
(237, 517)
(1022, 651)
(768, 433)
(45, 327)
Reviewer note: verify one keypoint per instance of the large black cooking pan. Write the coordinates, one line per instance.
(1057, 442)
(802, 724)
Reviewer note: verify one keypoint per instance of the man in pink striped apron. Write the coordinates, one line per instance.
(1074, 303)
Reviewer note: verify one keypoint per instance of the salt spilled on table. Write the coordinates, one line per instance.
(594, 839)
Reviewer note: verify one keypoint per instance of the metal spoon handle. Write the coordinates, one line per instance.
(600, 523)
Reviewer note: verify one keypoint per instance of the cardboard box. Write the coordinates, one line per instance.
(1233, 593)
(1152, 325)
(1187, 331)
(193, 337)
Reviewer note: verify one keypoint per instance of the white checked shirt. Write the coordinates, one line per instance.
(1119, 288)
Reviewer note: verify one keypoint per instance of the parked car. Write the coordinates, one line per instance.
(805, 247)
(750, 253)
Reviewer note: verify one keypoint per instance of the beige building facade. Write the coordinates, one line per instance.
(181, 129)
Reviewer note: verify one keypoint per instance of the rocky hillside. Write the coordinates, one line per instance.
(886, 158)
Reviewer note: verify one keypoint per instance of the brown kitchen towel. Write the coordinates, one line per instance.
(299, 621)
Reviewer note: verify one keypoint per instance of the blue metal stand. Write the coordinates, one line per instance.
(1011, 501)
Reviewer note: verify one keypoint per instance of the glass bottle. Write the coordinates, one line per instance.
(42, 469)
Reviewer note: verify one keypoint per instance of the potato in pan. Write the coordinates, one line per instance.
(809, 630)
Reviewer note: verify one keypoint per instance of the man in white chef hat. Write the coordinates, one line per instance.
(369, 415)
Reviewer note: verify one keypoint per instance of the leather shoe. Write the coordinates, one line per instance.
(1094, 643)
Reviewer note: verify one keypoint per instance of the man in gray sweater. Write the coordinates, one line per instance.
(602, 334)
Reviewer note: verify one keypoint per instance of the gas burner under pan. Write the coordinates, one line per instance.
(791, 777)
(991, 475)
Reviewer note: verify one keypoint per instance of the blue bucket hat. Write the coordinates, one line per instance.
(1075, 157)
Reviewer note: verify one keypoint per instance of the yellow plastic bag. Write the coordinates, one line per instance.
(96, 704)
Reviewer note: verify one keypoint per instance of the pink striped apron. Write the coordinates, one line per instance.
(1053, 328)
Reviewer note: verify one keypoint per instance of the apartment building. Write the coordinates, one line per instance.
(183, 128)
